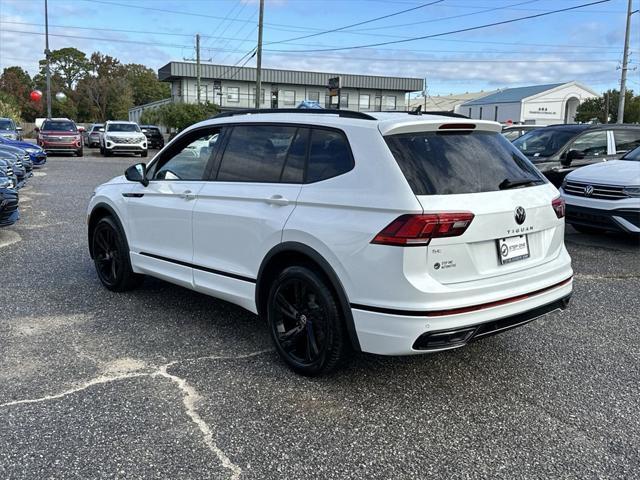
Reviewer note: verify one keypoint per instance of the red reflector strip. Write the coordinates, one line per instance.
(482, 306)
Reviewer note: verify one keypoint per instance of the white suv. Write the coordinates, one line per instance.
(122, 137)
(387, 233)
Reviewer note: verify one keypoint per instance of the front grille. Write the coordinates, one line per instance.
(19, 163)
(9, 171)
(124, 140)
(601, 192)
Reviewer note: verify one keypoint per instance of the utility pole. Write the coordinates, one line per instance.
(259, 60)
(198, 67)
(606, 107)
(46, 56)
(625, 61)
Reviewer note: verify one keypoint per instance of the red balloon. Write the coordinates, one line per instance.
(36, 95)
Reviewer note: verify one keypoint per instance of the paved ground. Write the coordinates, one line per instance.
(167, 383)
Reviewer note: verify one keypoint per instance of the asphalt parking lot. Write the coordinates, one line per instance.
(167, 383)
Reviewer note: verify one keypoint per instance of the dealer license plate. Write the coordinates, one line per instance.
(512, 249)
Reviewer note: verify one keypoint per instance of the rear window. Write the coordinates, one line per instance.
(544, 142)
(59, 126)
(442, 163)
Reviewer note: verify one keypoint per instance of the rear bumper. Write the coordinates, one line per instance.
(402, 334)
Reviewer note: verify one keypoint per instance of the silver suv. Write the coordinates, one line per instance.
(122, 137)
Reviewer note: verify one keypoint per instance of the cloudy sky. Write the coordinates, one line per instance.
(584, 44)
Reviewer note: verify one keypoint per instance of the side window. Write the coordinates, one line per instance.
(591, 143)
(256, 153)
(329, 155)
(626, 140)
(189, 161)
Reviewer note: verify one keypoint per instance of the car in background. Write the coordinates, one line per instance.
(93, 134)
(36, 153)
(122, 137)
(9, 129)
(155, 139)
(605, 196)
(559, 149)
(14, 157)
(511, 132)
(60, 135)
(9, 213)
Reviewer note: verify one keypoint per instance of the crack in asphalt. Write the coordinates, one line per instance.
(190, 399)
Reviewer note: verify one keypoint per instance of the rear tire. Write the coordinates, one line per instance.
(144, 154)
(111, 257)
(588, 230)
(306, 324)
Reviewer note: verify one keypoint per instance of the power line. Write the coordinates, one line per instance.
(358, 23)
(461, 30)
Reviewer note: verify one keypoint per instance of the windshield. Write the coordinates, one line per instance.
(96, 128)
(439, 163)
(59, 126)
(544, 142)
(6, 125)
(123, 127)
(633, 155)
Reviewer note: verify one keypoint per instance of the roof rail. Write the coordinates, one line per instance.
(305, 111)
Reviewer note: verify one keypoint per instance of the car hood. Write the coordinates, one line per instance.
(12, 149)
(613, 172)
(125, 134)
(18, 144)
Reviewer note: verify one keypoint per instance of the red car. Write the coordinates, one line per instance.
(60, 135)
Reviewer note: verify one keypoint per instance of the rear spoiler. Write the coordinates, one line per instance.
(415, 125)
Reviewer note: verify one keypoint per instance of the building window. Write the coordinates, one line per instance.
(289, 98)
(313, 96)
(365, 102)
(480, 117)
(233, 94)
(495, 114)
(252, 98)
(344, 100)
(389, 102)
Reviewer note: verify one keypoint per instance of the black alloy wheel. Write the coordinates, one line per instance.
(111, 257)
(305, 322)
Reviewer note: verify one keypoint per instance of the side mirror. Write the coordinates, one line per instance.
(137, 173)
(571, 156)
(37, 129)
(81, 129)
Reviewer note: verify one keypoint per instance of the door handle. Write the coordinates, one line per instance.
(187, 195)
(277, 200)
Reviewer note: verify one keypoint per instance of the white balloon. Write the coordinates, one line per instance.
(61, 97)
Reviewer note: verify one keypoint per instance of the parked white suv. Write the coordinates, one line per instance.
(387, 233)
(122, 137)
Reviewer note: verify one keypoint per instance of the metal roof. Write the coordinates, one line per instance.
(511, 95)
(176, 70)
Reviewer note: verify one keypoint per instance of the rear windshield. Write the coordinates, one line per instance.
(544, 142)
(633, 155)
(442, 163)
(123, 127)
(59, 126)
(6, 124)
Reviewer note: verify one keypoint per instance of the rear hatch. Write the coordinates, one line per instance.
(495, 213)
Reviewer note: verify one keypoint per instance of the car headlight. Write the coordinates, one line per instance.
(108, 138)
(631, 191)
(32, 150)
(6, 182)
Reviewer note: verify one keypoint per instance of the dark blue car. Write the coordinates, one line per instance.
(37, 155)
(8, 203)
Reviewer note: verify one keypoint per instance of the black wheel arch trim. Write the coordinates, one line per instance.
(112, 214)
(300, 248)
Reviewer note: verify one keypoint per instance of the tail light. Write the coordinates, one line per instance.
(418, 230)
(558, 206)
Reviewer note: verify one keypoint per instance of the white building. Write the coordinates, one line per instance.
(536, 105)
(234, 87)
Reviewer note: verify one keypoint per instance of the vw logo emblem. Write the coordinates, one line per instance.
(588, 190)
(520, 215)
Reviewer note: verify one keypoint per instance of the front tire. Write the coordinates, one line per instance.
(144, 154)
(111, 257)
(80, 152)
(306, 325)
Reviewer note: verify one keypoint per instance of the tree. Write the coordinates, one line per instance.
(179, 115)
(69, 63)
(9, 108)
(145, 85)
(594, 108)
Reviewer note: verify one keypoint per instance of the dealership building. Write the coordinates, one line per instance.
(536, 105)
(234, 88)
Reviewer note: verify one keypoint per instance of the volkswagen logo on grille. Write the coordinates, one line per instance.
(520, 215)
(588, 190)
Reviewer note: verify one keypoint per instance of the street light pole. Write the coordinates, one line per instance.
(198, 67)
(259, 58)
(46, 55)
(625, 61)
